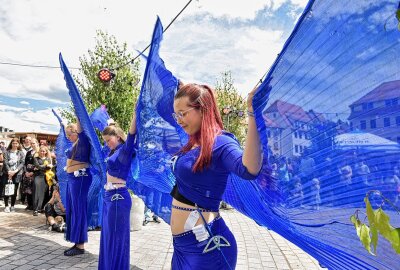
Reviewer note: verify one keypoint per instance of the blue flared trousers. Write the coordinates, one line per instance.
(188, 252)
(76, 208)
(115, 230)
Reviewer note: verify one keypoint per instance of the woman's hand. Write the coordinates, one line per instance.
(250, 97)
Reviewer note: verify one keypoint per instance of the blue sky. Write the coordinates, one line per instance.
(210, 37)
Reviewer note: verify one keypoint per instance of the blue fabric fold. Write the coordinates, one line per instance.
(98, 167)
(62, 144)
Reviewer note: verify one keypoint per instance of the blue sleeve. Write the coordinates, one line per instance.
(128, 150)
(83, 139)
(231, 157)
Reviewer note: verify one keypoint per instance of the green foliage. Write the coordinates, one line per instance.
(121, 93)
(398, 18)
(231, 105)
(379, 222)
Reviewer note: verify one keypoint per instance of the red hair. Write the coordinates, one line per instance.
(201, 97)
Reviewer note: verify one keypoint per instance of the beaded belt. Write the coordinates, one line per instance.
(112, 186)
(193, 209)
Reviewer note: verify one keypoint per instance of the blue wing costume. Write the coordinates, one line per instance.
(337, 77)
(96, 155)
(62, 144)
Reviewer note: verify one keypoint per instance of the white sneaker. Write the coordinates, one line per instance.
(12, 209)
(7, 209)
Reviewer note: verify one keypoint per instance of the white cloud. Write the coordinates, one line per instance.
(24, 102)
(21, 119)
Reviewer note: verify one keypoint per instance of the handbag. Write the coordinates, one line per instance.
(9, 189)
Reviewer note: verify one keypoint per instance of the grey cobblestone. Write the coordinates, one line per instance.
(25, 243)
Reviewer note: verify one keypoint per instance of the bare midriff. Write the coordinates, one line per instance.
(117, 182)
(179, 217)
(73, 165)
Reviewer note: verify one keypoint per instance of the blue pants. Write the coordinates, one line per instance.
(115, 230)
(188, 252)
(76, 208)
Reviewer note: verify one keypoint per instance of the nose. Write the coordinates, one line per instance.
(179, 121)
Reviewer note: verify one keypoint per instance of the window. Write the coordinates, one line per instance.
(373, 123)
(363, 124)
(300, 135)
(386, 122)
(398, 121)
(269, 134)
(365, 106)
(370, 105)
(295, 134)
(391, 102)
(296, 149)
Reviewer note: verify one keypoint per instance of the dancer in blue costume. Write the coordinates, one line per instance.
(114, 241)
(200, 236)
(79, 180)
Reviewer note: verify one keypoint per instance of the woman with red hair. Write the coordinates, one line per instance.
(202, 167)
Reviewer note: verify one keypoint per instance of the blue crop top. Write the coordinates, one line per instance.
(205, 188)
(119, 161)
(81, 150)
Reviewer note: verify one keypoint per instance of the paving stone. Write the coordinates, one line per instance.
(25, 243)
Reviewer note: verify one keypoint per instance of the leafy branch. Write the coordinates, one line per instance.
(378, 223)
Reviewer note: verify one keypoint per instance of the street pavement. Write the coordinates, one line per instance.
(26, 243)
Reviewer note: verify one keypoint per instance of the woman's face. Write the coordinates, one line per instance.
(42, 153)
(14, 145)
(71, 135)
(111, 141)
(34, 144)
(187, 117)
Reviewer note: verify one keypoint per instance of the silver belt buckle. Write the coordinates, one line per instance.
(80, 172)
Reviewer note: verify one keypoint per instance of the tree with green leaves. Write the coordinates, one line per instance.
(120, 94)
(232, 106)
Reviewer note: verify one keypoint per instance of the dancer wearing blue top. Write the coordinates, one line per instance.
(201, 238)
(79, 180)
(114, 240)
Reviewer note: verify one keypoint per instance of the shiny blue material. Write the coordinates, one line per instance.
(207, 187)
(115, 229)
(62, 143)
(81, 150)
(119, 163)
(76, 208)
(188, 252)
(154, 179)
(100, 117)
(98, 166)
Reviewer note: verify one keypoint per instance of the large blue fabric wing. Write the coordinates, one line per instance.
(329, 112)
(158, 137)
(62, 144)
(97, 163)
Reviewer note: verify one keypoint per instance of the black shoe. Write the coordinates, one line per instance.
(35, 213)
(156, 219)
(74, 251)
(65, 251)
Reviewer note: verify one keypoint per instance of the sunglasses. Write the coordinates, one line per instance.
(179, 115)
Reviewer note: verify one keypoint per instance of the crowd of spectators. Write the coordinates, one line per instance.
(28, 168)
